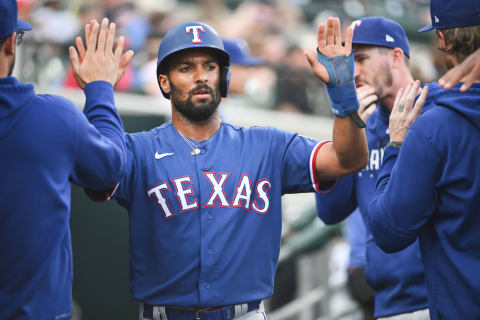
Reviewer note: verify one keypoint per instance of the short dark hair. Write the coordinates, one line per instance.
(461, 41)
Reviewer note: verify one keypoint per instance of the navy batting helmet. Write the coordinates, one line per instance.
(192, 35)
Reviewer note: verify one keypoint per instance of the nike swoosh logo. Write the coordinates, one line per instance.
(159, 156)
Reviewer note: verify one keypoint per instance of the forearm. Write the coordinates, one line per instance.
(100, 152)
(350, 145)
(386, 234)
(101, 112)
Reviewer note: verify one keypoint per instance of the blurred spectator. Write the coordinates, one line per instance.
(54, 23)
(133, 23)
(240, 63)
(251, 81)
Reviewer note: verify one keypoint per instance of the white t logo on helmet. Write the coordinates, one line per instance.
(196, 33)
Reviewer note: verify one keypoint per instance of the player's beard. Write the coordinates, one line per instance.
(195, 112)
(383, 82)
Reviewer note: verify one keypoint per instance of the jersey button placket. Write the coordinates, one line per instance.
(206, 221)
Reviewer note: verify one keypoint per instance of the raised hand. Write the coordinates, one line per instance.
(124, 59)
(468, 71)
(330, 44)
(403, 114)
(99, 61)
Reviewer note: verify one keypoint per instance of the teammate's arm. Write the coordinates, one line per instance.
(100, 149)
(348, 151)
(404, 200)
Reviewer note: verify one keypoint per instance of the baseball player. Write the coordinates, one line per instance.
(428, 185)
(204, 196)
(381, 67)
(45, 143)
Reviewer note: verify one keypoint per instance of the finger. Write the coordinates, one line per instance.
(102, 35)
(348, 40)
(92, 41)
(470, 79)
(321, 37)
(126, 58)
(368, 101)
(411, 95)
(88, 30)
(398, 98)
(330, 36)
(310, 58)
(417, 108)
(80, 47)
(74, 59)
(366, 113)
(403, 98)
(364, 91)
(110, 39)
(119, 50)
(317, 68)
(444, 81)
(337, 32)
(452, 77)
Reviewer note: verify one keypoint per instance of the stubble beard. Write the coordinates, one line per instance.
(383, 83)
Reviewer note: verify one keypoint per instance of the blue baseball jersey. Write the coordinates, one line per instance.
(398, 279)
(430, 189)
(205, 229)
(46, 143)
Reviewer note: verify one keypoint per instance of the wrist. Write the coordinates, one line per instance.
(395, 144)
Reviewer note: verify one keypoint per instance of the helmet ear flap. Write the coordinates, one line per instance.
(224, 80)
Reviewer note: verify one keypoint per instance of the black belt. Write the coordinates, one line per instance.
(214, 313)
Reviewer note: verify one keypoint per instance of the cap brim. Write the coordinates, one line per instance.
(23, 26)
(426, 28)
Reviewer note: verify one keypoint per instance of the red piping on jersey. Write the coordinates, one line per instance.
(316, 184)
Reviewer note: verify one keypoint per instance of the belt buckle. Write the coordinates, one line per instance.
(197, 316)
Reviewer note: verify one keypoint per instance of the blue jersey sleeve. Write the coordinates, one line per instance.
(298, 164)
(336, 205)
(100, 147)
(406, 196)
(125, 187)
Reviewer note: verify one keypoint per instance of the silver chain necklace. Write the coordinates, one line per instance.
(195, 149)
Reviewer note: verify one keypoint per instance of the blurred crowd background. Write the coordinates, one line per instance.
(311, 276)
(275, 30)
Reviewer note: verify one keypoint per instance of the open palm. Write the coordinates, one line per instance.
(330, 44)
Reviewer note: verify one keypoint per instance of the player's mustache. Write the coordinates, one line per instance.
(200, 87)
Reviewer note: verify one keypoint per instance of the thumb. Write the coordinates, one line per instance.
(126, 58)
(310, 57)
(317, 68)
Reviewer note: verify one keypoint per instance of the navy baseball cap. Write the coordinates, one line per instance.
(9, 22)
(379, 31)
(240, 53)
(447, 14)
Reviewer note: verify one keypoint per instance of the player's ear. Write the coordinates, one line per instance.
(164, 83)
(441, 44)
(10, 45)
(398, 57)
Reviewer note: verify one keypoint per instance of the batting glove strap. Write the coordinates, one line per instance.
(341, 87)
